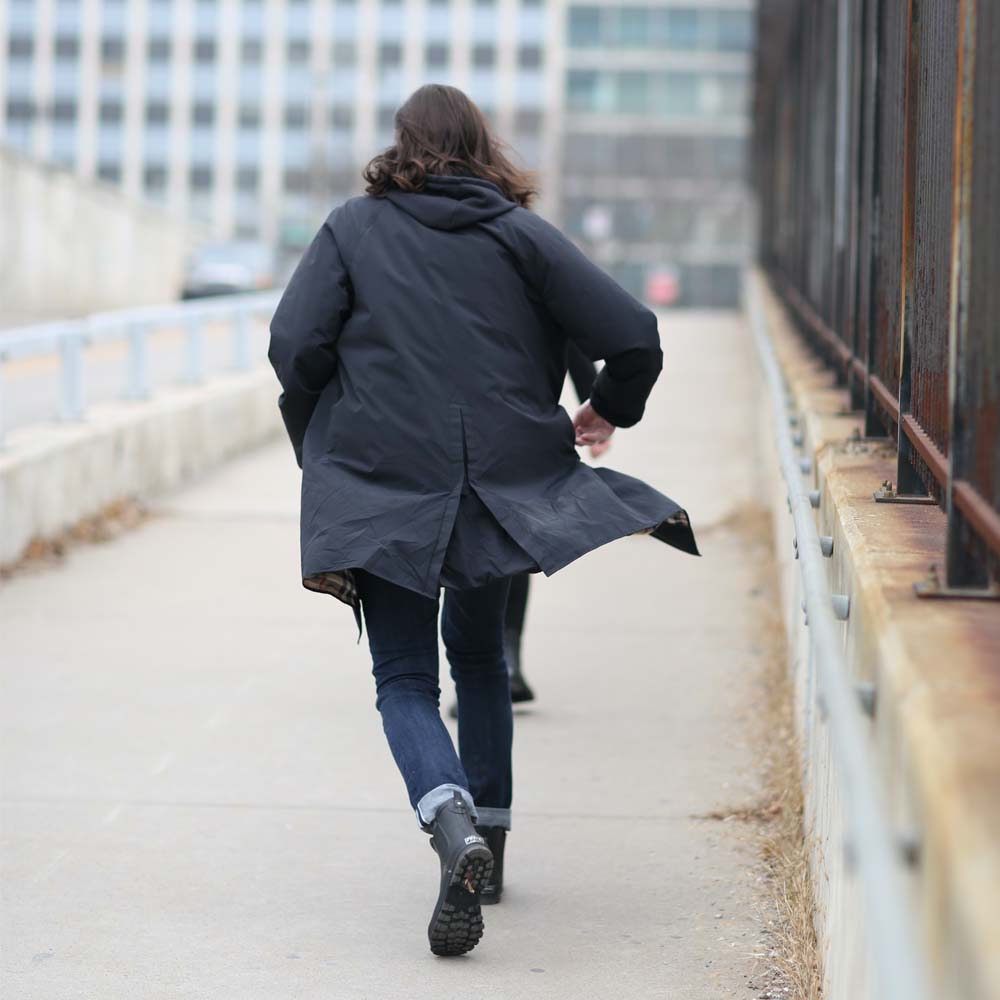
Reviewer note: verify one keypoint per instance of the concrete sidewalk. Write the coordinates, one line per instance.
(198, 801)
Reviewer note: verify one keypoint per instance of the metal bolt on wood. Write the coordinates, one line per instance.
(909, 845)
(865, 691)
(841, 606)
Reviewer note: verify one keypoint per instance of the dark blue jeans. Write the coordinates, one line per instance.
(403, 638)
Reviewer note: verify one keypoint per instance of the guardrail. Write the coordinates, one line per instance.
(877, 171)
(871, 844)
(68, 340)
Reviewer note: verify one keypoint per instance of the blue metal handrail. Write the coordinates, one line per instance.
(67, 338)
(871, 842)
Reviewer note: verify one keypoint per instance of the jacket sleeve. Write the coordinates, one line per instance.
(304, 331)
(601, 319)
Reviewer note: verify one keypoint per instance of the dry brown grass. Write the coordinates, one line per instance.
(108, 523)
(789, 967)
(793, 961)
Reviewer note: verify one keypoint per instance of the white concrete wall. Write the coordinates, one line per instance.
(54, 476)
(70, 246)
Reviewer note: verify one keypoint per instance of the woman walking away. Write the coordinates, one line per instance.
(421, 348)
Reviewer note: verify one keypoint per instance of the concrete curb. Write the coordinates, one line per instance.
(930, 669)
(54, 476)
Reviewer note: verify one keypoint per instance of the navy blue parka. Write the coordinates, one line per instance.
(421, 348)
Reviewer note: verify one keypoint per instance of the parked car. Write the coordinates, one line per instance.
(227, 268)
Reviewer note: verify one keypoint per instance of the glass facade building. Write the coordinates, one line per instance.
(256, 116)
(654, 131)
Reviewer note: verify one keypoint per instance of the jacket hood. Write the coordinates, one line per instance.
(452, 202)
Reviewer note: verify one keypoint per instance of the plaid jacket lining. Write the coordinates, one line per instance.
(339, 584)
(342, 585)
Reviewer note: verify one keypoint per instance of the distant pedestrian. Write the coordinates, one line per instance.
(582, 374)
(421, 349)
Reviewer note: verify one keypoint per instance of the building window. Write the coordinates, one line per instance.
(296, 116)
(21, 46)
(390, 55)
(67, 47)
(633, 27)
(296, 181)
(200, 178)
(249, 117)
(154, 177)
(436, 55)
(439, 3)
(109, 172)
(203, 113)
(529, 56)
(585, 27)
(20, 110)
(112, 50)
(342, 117)
(110, 112)
(484, 56)
(204, 51)
(582, 86)
(64, 111)
(251, 51)
(157, 113)
(633, 92)
(735, 30)
(247, 179)
(680, 95)
(158, 50)
(527, 121)
(298, 51)
(386, 118)
(344, 55)
(683, 29)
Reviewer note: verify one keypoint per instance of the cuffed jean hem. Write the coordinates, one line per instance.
(431, 803)
(493, 817)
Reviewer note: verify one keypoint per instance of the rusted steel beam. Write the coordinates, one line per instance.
(887, 400)
(982, 518)
(926, 448)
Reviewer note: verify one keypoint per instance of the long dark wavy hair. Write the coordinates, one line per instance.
(441, 131)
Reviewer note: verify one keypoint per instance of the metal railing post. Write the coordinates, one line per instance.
(71, 375)
(2, 359)
(966, 567)
(241, 344)
(138, 361)
(194, 367)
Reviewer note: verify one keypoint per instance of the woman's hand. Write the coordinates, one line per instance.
(591, 428)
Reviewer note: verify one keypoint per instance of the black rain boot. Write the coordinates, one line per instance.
(492, 888)
(466, 865)
(520, 691)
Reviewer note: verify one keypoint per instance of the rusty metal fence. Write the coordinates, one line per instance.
(877, 169)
